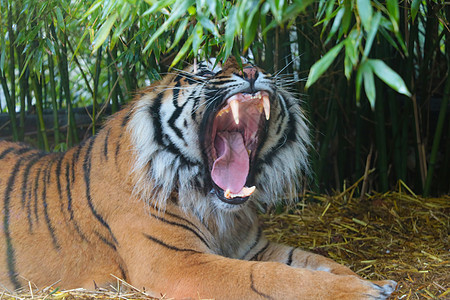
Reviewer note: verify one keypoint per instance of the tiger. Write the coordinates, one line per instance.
(166, 196)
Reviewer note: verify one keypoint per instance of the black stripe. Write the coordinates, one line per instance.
(291, 253)
(154, 112)
(105, 145)
(123, 273)
(123, 124)
(169, 246)
(10, 254)
(219, 83)
(194, 106)
(184, 227)
(177, 112)
(75, 158)
(6, 151)
(35, 192)
(26, 173)
(186, 76)
(158, 132)
(126, 119)
(69, 204)
(252, 286)
(87, 179)
(183, 219)
(257, 254)
(288, 135)
(23, 151)
(50, 227)
(105, 240)
(58, 181)
(257, 239)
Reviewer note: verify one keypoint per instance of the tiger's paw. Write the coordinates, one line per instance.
(381, 290)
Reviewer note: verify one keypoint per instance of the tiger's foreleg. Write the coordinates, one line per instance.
(295, 257)
(175, 262)
(184, 273)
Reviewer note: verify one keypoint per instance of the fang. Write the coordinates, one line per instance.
(266, 105)
(234, 104)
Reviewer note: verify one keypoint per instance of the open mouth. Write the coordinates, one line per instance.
(237, 131)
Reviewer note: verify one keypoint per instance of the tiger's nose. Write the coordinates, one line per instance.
(250, 74)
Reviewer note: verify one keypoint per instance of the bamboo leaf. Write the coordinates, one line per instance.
(389, 76)
(372, 33)
(104, 31)
(392, 6)
(369, 83)
(358, 81)
(230, 31)
(179, 34)
(198, 35)
(346, 19)
(365, 12)
(415, 8)
(336, 23)
(93, 8)
(212, 7)
(180, 9)
(59, 18)
(208, 25)
(322, 64)
(348, 66)
(183, 50)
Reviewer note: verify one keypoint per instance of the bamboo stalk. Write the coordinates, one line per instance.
(440, 124)
(397, 158)
(12, 77)
(39, 111)
(269, 48)
(324, 147)
(10, 106)
(96, 80)
(380, 137)
(23, 80)
(112, 55)
(51, 67)
(61, 53)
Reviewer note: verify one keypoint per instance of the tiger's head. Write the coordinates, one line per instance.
(219, 137)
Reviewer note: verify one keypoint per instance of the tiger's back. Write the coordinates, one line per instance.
(49, 225)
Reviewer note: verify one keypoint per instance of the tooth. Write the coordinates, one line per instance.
(234, 104)
(266, 104)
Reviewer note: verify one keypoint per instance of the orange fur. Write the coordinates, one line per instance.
(76, 218)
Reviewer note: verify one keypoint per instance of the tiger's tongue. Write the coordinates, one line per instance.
(231, 168)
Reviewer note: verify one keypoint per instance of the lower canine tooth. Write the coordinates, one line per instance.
(234, 104)
(266, 105)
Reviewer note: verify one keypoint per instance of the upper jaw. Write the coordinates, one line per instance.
(234, 135)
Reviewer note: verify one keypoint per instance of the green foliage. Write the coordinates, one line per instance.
(368, 19)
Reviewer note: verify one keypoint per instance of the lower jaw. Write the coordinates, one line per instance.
(233, 201)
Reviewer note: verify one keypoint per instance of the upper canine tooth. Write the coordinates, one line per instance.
(266, 105)
(234, 104)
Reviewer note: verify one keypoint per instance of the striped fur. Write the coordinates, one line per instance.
(135, 201)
